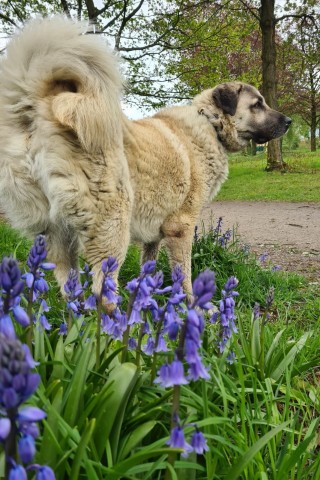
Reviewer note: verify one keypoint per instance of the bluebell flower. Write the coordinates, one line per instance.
(161, 345)
(16, 381)
(5, 427)
(203, 288)
(148, 267)
(270, 298)
(149, 347)
(35, 277)
(110, 265)
(231, 358)
(17, 472)
(226, 313)
(263, 257)
(177, 440)
(171, 374)
(17, 384)
(256, 311)
(43, 472)
(73, 289)
(26, 448)
(199, 443)
(63, 330)
(276, 268)
(91, 303)
(132, 343)
(11, 286)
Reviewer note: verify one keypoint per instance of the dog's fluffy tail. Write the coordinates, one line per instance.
(54, 72)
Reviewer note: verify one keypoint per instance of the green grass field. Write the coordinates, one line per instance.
(248, 179)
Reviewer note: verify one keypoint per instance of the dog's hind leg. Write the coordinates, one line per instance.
(150, 251)
(63, 249)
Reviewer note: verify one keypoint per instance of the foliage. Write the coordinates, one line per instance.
(259, 414)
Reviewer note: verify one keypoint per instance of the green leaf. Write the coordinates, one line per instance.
(110, 414)
(79, 454)
(59, 369)
(75, 391)
(298, 451)
(50, 446)
(240, 464)
(135, 437)
(255, 341)
(288, 359)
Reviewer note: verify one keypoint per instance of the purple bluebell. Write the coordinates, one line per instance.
(177, 440)
(218, 228)
(231, 358)
(5, 427)
(91, 303)
(256, 311)
(35, 277)
(11, 286)
(43, 472)
(161, 345)
(26, 448)
(203, 288)
(110, 265)
(17, 472)
(263, 257)
(270, 298)
(73, 289)
(132, 343)
(149, 347)
(18, 423)
(149, 267)
(63, 330)
(17, 383)
(226, 313)
(199, 443)
(224, 239)
(171, 374)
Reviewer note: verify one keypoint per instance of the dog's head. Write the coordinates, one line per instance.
(243, 115)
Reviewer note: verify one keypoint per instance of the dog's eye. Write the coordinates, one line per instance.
(258, 104)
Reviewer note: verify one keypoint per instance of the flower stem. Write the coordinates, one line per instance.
(127, 331)
(155, 356)
(98, 333)
(10, 442)
(29, 338)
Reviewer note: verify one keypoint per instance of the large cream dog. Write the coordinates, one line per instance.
(74, 167)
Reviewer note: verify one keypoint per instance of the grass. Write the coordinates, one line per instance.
(248, 179)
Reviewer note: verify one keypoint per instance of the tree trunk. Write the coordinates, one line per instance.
(269, 82)
(313, 115)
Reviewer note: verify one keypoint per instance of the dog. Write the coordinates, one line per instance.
(73, 167)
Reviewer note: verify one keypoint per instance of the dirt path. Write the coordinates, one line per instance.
(288, 232)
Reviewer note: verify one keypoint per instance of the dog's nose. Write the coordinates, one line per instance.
(288, 121)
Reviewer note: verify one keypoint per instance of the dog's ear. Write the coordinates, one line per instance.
(226, 98)
(88, 117)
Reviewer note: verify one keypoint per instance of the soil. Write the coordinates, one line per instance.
(288, 232)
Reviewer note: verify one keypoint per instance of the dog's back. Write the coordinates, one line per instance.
(59, 93)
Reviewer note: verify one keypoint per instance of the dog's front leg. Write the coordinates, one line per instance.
(178, 237)
(108, 236)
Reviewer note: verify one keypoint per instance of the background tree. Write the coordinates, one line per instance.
(303, 46)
